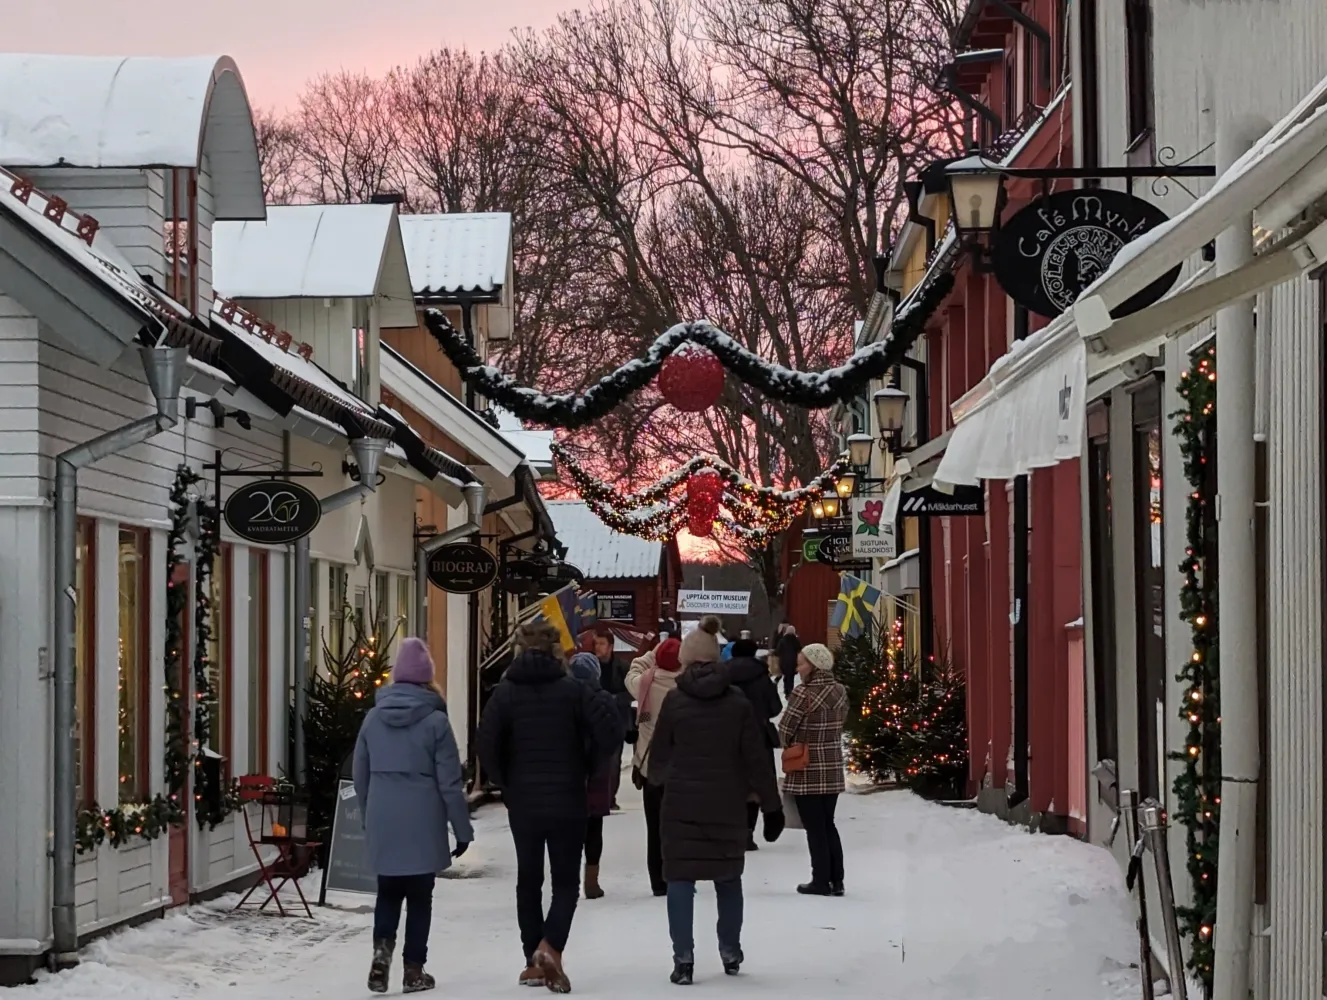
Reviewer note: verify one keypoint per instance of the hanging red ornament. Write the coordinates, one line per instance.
(704, 492)
(691, 378)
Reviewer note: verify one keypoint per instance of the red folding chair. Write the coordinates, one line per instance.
(293, 852)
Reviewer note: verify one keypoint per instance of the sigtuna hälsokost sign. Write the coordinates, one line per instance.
(1050, 251)
(273, 512)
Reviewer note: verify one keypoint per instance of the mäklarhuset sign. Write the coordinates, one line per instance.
(1053, 249)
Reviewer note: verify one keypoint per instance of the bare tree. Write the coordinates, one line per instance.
(279, 153)
(348, 141)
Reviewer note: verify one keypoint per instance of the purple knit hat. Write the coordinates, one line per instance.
(413, 663)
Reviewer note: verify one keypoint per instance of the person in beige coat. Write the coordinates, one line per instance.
(649, 680)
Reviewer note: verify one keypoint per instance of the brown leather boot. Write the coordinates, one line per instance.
(532, 976)
(592, 889)
(550, 963)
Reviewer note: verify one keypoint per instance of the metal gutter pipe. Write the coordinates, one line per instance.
(368, 456)
(164, 367)
(475, 494)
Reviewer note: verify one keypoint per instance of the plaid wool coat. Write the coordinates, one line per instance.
(814, 716)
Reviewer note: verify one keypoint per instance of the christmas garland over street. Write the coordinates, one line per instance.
(1198, 786)
(813, 390)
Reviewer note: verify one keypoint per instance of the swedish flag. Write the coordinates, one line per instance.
(855, 609)
(559, 610)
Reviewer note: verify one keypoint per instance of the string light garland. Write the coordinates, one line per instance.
(1198, 785)
(813, 390)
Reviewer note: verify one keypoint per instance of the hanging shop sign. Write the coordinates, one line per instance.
(272, 512)
(1050, 251)
(872, 535)
(835, 548)
(713, 602)
(811, 548)
(930, 502)
(462, 568)
(616, 607)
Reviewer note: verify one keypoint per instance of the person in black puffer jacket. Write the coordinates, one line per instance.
(708, 753)
(542, 736)
(751, 676)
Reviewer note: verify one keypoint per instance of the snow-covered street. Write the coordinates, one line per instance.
(942, 904)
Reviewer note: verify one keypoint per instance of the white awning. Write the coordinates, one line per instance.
(1027, 413)
(1279, 179)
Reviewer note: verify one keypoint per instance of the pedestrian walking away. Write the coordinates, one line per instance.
(613, 676)
(542, 736)
(650, 679)
(786, 649)
(709, 753)
(599, 789)
(408, 779)
(811, 729)
(750, 676)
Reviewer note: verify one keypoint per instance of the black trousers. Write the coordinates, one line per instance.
(822, 837)
(788, 685)
(594, 840)
(653, 796)
(563, 840)
(416, 892)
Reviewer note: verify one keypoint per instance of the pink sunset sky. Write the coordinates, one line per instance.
(278, 44)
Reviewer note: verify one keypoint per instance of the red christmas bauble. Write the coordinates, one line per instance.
(704, 492)
(691, 378)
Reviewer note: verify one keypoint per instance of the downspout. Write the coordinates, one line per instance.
(1236, 350)
(474, 505)
(164, 367)
(924, 569)
(368, 455)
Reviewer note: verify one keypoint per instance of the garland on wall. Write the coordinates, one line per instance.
(1198, 786)
(148, 820)
(813, 390)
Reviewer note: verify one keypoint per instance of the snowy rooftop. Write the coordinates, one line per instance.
(597, 550)
(448, 254)
(536, 446)
(310, 251)
(138, 111)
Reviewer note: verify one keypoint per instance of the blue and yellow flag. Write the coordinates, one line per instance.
(559, 609)
(855, 609)
(587, 612)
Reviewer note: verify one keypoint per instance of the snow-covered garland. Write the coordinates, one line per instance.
(813, 390)
(663, 524)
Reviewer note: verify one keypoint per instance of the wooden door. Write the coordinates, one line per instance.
(178, 868)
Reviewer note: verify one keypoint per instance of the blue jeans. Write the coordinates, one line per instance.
(681, 919)
(416, 891)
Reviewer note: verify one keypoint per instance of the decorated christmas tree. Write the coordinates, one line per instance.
(932, 755)
(340, 694)
(882, 696)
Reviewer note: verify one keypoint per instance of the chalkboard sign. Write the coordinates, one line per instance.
(347, 861)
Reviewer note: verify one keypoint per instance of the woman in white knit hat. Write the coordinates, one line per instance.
(811, 731)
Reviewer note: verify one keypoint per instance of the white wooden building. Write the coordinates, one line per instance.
(117, 176)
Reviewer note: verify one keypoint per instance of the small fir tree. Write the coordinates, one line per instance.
(882, 695)
(339, 696)
(932, 756)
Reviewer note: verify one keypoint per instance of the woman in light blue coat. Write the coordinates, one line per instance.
(410, 787)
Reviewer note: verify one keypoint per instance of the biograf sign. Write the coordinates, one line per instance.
(1052, 250)
(713, 602)
(463, 568)
(273, 512)
(872, 536)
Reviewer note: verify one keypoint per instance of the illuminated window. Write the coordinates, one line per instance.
(404, 611)
(218, 652)
(85, 692)
(381, 624)
(132, 664)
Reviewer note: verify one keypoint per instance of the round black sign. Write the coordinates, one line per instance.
(1048, 253)
(273, 512)
(463, 568)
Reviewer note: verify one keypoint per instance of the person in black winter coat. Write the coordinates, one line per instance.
(708, 753)
(542, 736)
(613, 677)
(750, 676)
(786, 649)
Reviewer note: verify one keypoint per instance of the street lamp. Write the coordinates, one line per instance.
(891, 404)
(845, 484)
(859, 450)
(830, 505)
(818, 509)
(976, 199)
